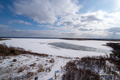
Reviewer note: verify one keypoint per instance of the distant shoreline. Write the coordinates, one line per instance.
(66, 38)
(90, 39)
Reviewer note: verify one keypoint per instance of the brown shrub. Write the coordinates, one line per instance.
(14, 60)
(52, 60)
(21, 69)
(40, 68)
(32, 64)
(11, 65)
(84, 69)
(29, 74)
(80, 74)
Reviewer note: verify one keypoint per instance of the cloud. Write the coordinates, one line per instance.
(93, 20)
(90, 18)
(3, 25)
(62, 16)
(84, 29)
(64, 13)
(35, 33)
(28, 33)
(56, 33)
(117, 8)
(77, 21)
(114, 32)
(42, 11)
(19, 21)
(1, 7)
(68, 23)
(114, 29)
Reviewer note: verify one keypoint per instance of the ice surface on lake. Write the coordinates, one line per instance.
(41, 46)
(77, 47)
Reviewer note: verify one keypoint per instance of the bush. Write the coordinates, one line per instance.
(11, 65)
(7, 54)
(87, 68)
(12, 51)
(40, 68)
(21, 69)
(32, 64)
(29, 74)
(51, 60)
(80, 74)
(14, 60)
(15, 53)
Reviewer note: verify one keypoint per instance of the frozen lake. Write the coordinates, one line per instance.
(71, 48)
(77, 47)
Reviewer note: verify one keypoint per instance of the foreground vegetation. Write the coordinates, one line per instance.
(13, 51)
(96, 67)
(1, 39)
(20, 62)
(87, 68)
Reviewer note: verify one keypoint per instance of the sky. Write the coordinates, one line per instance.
(60, 18)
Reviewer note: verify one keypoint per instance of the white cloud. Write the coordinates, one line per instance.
(92, 20)
(27, 23)
(62, 11)
(45, 11)
(117, 8)
(19, 21)
(62, 14)
(3, 25)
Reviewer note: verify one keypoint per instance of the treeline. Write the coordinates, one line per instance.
(91, 39)
(4, 39)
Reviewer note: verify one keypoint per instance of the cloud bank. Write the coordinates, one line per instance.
(64, 18)
(107, 33)
(45, 11)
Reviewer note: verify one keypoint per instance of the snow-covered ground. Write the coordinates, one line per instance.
(23, 65)
(41, 46)
(9, 68)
